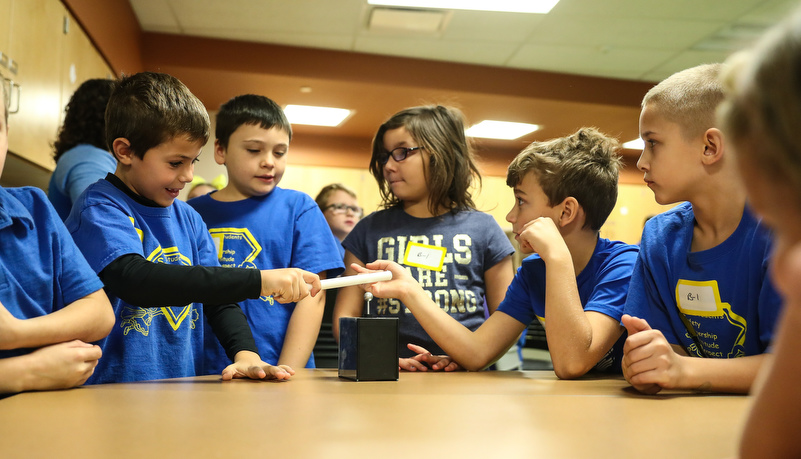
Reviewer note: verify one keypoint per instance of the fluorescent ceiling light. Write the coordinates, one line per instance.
(636, 144)
(507, 6)
(316, 116)
(506, 130)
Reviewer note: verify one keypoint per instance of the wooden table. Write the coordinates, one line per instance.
(316, 415)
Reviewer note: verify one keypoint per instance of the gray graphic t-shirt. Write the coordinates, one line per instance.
(473, 243)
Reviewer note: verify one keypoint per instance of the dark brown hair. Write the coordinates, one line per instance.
(151, 108)
(451, 169)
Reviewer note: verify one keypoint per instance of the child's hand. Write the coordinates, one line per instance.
(435, 362)
(541, 236)
(401, 285)
(249, 365)
(289, 285)
(649, 362)
(61, 366)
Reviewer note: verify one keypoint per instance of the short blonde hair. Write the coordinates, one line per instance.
(762, 113)
(328, 190)
(689, 98)
(584, 165)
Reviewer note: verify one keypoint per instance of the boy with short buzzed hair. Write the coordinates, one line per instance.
(699, 294)
(256, 224)
(575, 282)
(154, 253)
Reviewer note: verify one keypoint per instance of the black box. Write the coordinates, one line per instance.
(368, 348)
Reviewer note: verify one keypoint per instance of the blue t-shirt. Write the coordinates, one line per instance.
(283, 229)
(77, 168)
(41, 269)
(723, 294)
(146, 343)
(602, 285)
(473, 243)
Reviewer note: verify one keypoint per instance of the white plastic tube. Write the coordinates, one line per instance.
(357, 279)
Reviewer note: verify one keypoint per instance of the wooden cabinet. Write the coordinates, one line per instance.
(54, 56)
(35, 43)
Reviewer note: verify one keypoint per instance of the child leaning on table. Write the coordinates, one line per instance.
(155, 254)
(575, 282)
(256, 224)
(703, 307)
(425, 168)
(761, 119)
(51, 302)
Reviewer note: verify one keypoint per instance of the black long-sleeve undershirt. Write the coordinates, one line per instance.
(146, 284)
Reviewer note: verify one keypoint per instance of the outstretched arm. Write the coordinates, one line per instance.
(472, 350)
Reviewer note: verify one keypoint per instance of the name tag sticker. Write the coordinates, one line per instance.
(697, 297)
(424, 256)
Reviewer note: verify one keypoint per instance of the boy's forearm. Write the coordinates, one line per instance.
(459, 342)
(734, 375)
(568, 331)
(302, 331)
(88, 319)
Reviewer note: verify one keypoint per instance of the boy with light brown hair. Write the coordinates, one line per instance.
(575, 282)
(699, 295)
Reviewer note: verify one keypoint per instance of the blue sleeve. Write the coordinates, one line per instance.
(315, 247)
(355, 240)
(87, 172)
(612, 284)
(74, 278)
(103, 233)
(644, 300)
(518, 303)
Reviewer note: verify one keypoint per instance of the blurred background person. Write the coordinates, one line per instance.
(341, 210)
(81, 153)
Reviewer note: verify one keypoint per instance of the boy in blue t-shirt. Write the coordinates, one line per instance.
(255, 224)
(575, 283)
(51, 302)
(700, 287)
(155, 254)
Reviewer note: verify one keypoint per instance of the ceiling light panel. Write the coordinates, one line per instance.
(507, 6)
(316, 116)
(490, 129)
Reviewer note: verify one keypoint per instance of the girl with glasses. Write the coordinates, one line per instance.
(428, 223)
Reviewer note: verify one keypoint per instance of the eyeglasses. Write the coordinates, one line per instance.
(399, 154)
(337, 209)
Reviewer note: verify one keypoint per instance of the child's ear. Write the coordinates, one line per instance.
(121, 148)
(570, 211)
(713, 146)
(219, 153)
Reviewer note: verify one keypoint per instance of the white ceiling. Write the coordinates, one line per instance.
(630, 39)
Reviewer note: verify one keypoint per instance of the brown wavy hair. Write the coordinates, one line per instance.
(451, 169)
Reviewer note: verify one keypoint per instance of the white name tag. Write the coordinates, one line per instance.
(697, 296)
(424, 256)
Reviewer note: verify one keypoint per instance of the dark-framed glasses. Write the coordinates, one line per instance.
(399, 154)
(343, 208)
